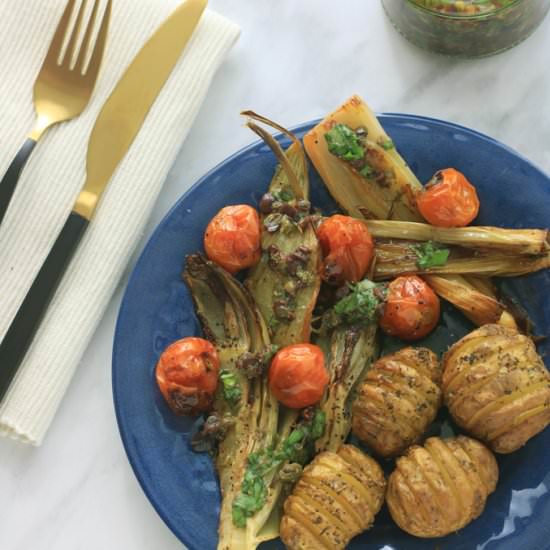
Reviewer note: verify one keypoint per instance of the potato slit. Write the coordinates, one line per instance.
(471, 389)
(524, 416)
(367, 472)
(434, 453)
(466, 369)
(474, 463)
(300, 513)
(421, 367)
(415, 421)
(491, 407)
(426, 514)
(300, 532)
(399, 380)
(350, 479)
(398, 418)
(380, 418)
(354, 517)
(429, 481)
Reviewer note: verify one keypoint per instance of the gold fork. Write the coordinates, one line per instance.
(61, 90)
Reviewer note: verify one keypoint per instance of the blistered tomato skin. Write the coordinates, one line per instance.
(448, 200)
(297, 375)
(232, 238)
(411, 310)
(347, 248)
(187, 375)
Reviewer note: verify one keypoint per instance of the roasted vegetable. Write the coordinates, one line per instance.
(360, 166)
(398, 258)
(232, 238)
(448, 200)
(442, 486)
(297, 375)
(232, 323)
(497, 387)
(398, 400)
(411, 310)
(337, 497)
(347, 249)
(477, 305)
(350, 349)
(513, 241)
(187, 375)
(285, 283)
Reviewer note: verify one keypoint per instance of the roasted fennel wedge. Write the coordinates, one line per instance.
(230, 319)
(350, 352)
(369, 179)
(286, 281)
(400, 257)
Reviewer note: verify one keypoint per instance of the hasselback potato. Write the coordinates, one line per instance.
(398, 400)
(497, 387)
(442, 486)
(336, 498)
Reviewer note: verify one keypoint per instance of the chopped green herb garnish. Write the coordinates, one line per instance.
(387, 144)
(344, 143)
(360, 306)
(254, 490)
(367, 171)
(231, 387)
(283, 196)
(430, 254)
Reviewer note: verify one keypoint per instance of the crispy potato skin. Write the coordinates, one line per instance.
(497, 387)
(336, 498)
(398, 400)
(442, 486)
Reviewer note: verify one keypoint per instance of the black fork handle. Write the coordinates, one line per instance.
(19, 337)
(11, 177)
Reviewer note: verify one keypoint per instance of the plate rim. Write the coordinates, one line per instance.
(148, 490)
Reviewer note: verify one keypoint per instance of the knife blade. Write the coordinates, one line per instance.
(117, 125)
(124, 112)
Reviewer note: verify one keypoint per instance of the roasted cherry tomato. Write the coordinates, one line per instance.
(411, 310)
(187, 375)
(232, 238)
(347, 248)
(297, 375)
(448, 199)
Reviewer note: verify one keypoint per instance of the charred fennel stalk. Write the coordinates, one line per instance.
(398, 258)
(350, 351)
(478, 306)
(512, 241)
(285, 283)
(232, 322)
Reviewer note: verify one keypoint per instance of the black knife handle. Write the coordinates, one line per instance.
(18, 339)
(11, 177)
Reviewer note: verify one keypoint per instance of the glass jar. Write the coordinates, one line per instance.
(467, 28)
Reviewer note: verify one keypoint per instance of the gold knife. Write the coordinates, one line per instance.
(115, 129)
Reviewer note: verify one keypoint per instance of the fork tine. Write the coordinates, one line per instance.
(79, 65)
(99, 47)
(59, 36)
(69, 52)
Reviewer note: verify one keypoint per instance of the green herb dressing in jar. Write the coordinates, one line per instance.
(466, 28)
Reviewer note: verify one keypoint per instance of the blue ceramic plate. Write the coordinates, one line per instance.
(157, 310)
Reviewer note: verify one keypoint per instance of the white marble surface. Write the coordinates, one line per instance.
(295, 61)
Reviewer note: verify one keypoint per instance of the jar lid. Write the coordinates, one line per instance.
(464, 8)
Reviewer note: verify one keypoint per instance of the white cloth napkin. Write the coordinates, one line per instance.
(55, 173)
